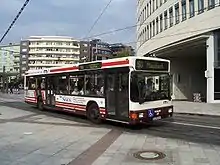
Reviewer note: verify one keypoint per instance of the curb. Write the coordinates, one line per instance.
(195, 114)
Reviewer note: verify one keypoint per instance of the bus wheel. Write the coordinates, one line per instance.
(93, 114)
(40, 104)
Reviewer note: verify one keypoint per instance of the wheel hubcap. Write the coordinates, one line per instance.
(94, 114)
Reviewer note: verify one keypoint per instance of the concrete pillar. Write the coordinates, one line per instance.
(210, 68)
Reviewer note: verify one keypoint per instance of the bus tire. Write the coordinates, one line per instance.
(93, 113)
(40, 104)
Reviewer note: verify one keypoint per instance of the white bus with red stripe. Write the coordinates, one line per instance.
(130, 89)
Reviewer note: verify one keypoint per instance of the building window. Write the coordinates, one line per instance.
(147, 10)
(153, 5)
(177, 13)
(161, 2)
(165, 20)
(157, 26)
(24, 43)
(171, 16)
(161, 23)
(150, 7)
(183, 10)
(211, 4)
(150, 35)
(145, 30)
(191, 8)
(147, 34)
(145, 15)
(156, 4)
(153, 28)
(200, 6)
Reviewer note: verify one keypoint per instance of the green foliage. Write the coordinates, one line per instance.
(122, 54)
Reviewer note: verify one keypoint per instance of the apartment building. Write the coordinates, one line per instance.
(94, 50)
(118, 48)
(188, 33)
(9, 61)
(38, 52)
(10, 58)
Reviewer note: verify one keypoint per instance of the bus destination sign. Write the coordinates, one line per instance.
(90, 66)
(151, 65)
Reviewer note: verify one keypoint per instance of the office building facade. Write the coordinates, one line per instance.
(187, 33)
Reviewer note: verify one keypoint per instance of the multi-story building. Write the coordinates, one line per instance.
(95, 50)
(118, 48)
(10, 58)
(10, 61)
(100, 50)
(38, 52)
(188, 33)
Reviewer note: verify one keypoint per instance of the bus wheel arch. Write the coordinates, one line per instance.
(93, 113)
(40, 103)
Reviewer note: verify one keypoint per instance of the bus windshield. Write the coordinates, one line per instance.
(147, 86)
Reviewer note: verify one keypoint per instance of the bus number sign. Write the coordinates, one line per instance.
(90, 66)
(151, 65)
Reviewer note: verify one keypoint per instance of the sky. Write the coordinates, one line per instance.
(68, 18)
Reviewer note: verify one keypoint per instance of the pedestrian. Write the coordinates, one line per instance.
(11, 89)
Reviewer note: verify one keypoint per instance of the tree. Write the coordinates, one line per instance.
(122, 54)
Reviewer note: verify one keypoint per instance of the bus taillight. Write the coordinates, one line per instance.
(133, 116)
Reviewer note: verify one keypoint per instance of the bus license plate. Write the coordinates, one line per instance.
(157, 118)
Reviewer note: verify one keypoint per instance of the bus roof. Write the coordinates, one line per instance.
(110, 63)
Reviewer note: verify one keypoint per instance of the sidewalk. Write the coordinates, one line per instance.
(5, 97)
(186, 107)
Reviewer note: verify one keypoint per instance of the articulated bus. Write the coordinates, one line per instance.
(130, 90)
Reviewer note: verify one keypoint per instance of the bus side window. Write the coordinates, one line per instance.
(63, 84)
(73, 85)
(31, 83)
(95, 84)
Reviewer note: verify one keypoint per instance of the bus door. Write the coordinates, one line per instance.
(116, 91)
(50, 91)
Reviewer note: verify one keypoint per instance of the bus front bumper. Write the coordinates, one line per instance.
(150, 115)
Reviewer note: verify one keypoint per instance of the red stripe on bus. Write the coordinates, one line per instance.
(76, 106)
(64, 69)
(32, 101)
(31, 98)
(70, 107)
(124, 62)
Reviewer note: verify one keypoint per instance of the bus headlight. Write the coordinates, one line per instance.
(141, 115)
(170, 110)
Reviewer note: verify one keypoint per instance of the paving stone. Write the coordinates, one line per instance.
(102, 160)
(59, 144)
(56, 161)
(10, 155)
(10, 113)
(212, 155)
(33, 159)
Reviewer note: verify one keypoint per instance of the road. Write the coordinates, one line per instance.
(185, 139)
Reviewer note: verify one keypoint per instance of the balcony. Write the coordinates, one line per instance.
(16, 66)
(16, 60)
(54, 46)
(53, 52)
(46, 65)
(53, 59)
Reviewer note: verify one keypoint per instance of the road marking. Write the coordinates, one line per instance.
(195, 125)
